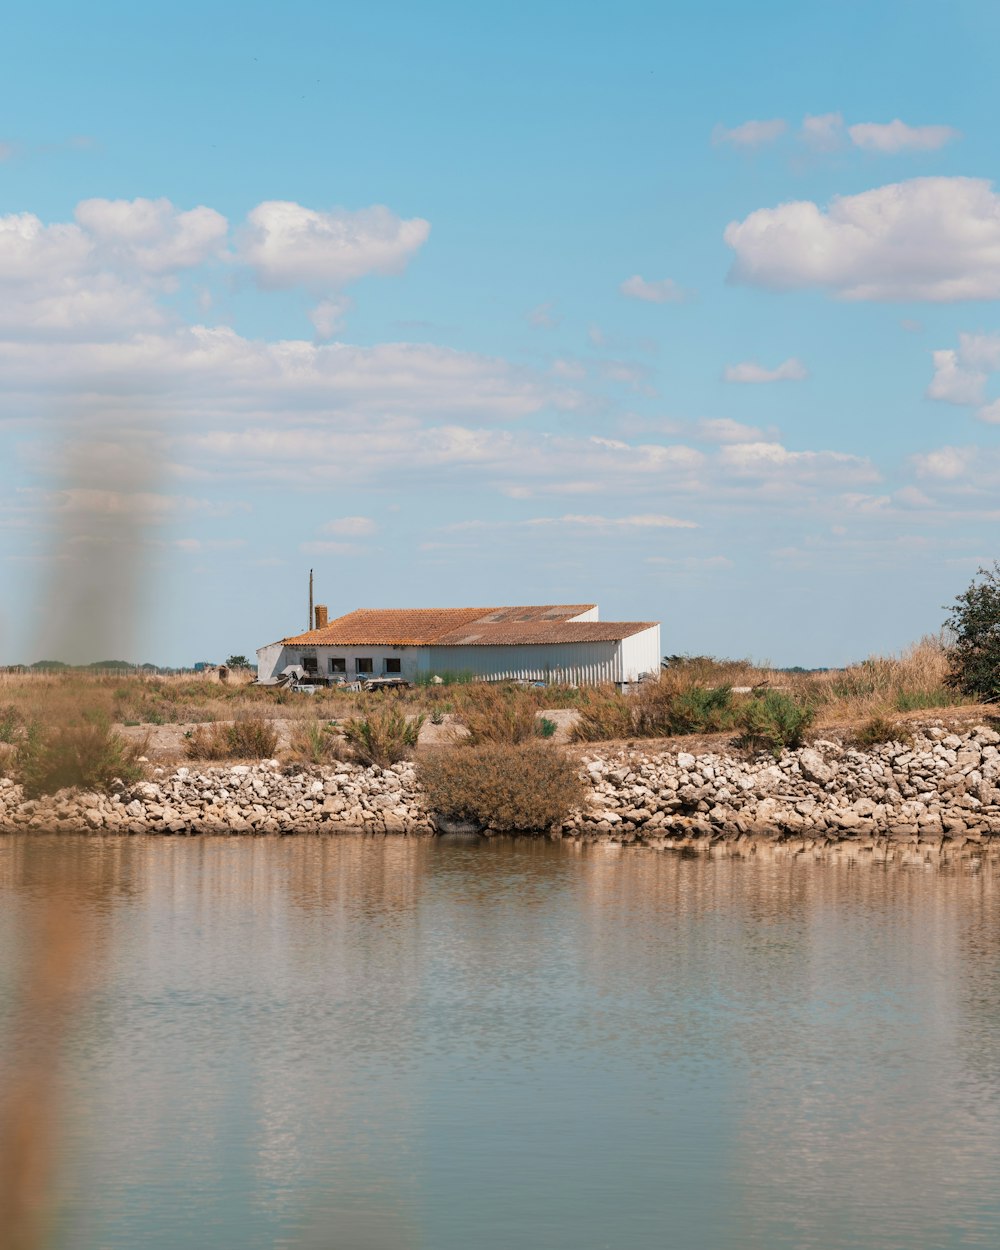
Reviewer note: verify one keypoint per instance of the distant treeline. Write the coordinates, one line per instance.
(99, 666)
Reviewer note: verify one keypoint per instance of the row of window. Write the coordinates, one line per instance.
(362, 664)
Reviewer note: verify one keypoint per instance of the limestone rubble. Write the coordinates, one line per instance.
(940, 792)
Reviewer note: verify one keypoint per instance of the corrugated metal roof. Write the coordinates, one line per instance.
(517, 633)
(409, 627)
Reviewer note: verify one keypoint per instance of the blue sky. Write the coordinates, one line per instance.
(689, 311)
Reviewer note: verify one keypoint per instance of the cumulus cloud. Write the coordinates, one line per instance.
(98, 276)
(660, 291)
(896, 136)
(287, 245)
(961, 374)
(927, 239)
(944, 463)
(790, 370)
(152, 235)
(752, 134)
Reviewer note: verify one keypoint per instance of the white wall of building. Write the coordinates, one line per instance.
(580, 663)
(586, 663)
(641, 653)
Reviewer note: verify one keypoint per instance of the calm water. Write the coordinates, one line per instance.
(361, 1044)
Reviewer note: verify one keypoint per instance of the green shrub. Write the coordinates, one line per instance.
(772, 721)
(974, 622)
(522, 787)
(382, 737)
(11, 721)
(250, 739)
(699, 709)
(88, 756)
(880, 729)
(546, 728)
(918, 700)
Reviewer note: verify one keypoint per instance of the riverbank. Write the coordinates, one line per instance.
(937, 795)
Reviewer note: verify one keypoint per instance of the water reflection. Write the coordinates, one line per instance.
(366, 1042)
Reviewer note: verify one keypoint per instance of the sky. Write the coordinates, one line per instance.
(689, 311)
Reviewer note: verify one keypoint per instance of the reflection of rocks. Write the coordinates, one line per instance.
(925, 800)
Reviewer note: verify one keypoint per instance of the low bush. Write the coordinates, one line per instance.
(604, 714)
(664, 712)
(498, 712)
(522, 787)
(88, 756)
(316, 742)
(880, 729)
(772, 721)
(250, 739)
(383, 737)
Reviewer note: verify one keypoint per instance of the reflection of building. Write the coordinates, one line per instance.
(550, 642)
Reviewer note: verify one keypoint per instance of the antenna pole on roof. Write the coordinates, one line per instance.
(310, 622)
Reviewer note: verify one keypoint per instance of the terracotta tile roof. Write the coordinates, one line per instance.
(409, 627)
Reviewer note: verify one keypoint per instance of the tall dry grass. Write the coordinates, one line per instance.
(880, 685)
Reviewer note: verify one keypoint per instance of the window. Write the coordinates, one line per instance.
(363, 665)
(393, 665)
(338, 665)
(310, 664)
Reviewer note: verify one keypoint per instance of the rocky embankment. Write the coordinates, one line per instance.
(936, 794)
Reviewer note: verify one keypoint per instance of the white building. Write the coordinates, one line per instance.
(552, 643)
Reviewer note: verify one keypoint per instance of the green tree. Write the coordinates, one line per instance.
(974, 622)
(237, 661)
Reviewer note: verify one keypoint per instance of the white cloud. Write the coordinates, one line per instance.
(791, 370)
(288, 245)
(990, 413)
(926, 239)
(763, 459)
(329, 315)
(896, 136)
(98, 277)
(953, 382)
(945, 463)
(215, 370)
(152, 235)
(352, 526)
(824, 132)
(752, 134)
(661, 291)
(961, 374)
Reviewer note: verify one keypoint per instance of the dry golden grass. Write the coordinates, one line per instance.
(879, 686)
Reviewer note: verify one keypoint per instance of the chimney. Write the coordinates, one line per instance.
(321, 616)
